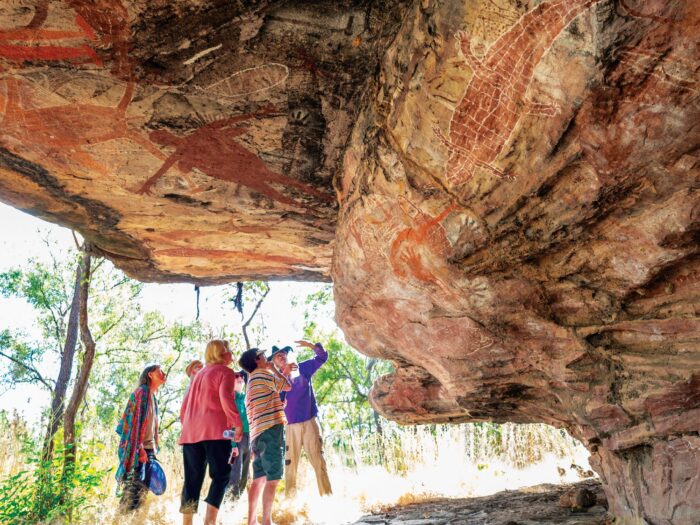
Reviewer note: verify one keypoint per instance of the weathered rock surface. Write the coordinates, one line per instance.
(519, 232)
(507, 190)
(530, 506)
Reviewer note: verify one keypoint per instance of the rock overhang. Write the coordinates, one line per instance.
(504, 193)
(193, 142)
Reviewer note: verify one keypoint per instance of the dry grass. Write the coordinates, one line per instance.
(415, 464)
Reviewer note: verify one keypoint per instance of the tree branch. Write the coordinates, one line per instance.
(167, 425)
(110, 327)
(349, 376)
(255, 310)
(30, 369)
(57, 326)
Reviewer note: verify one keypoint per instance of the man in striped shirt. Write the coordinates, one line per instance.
(266, 420)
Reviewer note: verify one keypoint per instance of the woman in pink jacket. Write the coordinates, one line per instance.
(207, 411)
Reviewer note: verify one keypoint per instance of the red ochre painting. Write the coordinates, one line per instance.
(429, 234)
(33, 42)
(213, 150)
(61, 133)
(98, 23)
(495, 97)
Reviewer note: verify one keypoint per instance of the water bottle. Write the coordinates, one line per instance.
(229, 434)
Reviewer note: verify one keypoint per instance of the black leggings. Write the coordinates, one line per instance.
(197, 456)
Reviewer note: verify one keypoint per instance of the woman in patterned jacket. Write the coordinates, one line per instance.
(138, 429)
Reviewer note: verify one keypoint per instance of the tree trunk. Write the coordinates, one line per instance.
(81, 382)
(378, 422)
(64, 373)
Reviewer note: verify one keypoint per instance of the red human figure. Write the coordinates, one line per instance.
(213, 151)
(428, 234)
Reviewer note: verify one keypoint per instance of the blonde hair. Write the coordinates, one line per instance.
(214, 354)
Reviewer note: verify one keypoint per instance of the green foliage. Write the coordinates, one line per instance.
(22, 359)
(144, 340)
(48, 288)
(39, 493)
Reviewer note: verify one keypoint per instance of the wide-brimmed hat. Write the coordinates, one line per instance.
(276, 350)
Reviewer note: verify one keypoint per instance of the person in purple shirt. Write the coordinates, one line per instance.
(302, 430)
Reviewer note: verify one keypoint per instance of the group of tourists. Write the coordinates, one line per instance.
(265, 413)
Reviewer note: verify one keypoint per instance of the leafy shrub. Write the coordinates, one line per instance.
(41, 494)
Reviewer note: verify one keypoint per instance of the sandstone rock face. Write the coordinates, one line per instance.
(519, 231)
(504, 192)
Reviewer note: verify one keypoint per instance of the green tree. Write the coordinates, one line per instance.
(342, 385)
(58, 291)
(54, 293)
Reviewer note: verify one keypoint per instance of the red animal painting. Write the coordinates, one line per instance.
(61, 132)
(213, 150)
(494, 98)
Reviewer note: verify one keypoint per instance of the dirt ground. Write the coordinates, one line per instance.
(533, 505)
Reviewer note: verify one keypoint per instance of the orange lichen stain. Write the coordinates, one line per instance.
(213, 151)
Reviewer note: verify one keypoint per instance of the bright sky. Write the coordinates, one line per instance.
(21, 239)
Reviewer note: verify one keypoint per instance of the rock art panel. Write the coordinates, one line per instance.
(149, 106)
(61, 131)
(552, 297)
(495, 97)
(212, 150)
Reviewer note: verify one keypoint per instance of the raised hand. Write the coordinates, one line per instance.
(289, 368)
